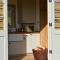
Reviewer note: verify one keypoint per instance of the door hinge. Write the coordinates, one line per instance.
(50, 1)
(50, 51)
(50, 24)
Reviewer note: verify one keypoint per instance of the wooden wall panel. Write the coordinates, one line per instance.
(43, 23)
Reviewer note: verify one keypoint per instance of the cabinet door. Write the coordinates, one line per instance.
(29, 43)
(35, 40)
(32, 41)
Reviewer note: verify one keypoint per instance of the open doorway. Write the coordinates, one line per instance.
(27, 27)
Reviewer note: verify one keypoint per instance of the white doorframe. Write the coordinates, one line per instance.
(4, 33)
(5, 30)
(49, 9)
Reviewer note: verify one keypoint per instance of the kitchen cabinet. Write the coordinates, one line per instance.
(23, 43)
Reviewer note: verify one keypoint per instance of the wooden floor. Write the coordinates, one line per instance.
(22, 57)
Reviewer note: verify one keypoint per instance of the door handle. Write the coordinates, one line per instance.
(50, 24)
(50, 51)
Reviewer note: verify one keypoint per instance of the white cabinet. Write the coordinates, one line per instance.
(23, 43)
(33, 40)
(29, 43)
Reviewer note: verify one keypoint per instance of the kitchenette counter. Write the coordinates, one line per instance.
(23, 32)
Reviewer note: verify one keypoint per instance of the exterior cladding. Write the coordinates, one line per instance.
(1, 14)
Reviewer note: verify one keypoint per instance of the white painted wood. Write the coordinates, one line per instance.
(4, 34)
(54, 35)
(1, 32)
(29, 43)
(5, 30)
(1, 48)
(35, 40)
(49, 7)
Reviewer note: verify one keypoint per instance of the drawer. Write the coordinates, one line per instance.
(16, 37)
(17, 48)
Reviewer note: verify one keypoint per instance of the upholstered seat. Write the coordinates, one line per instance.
(40, 53)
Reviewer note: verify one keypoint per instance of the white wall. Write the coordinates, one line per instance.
(29, 11)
